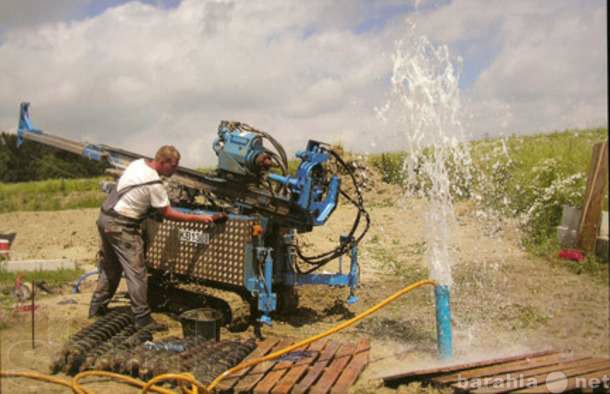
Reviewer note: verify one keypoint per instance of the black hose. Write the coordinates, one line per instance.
(322, 259)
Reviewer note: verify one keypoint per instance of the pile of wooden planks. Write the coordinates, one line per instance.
(540, 372)
(325, 366)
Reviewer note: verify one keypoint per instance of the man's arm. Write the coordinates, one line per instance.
(172, 214)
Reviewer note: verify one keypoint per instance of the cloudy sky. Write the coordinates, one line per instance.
(140, 74)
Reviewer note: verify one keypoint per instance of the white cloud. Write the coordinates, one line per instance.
(137, 76)
(550, 66)
(23, 13)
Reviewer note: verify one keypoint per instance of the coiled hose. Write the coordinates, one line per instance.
(77, 388)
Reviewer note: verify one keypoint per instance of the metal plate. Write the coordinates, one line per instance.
(201, 251)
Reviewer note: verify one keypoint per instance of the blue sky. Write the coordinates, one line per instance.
(97, 7)
(137, 74)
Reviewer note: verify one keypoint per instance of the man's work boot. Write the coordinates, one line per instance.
(150, 324)
(97, 310)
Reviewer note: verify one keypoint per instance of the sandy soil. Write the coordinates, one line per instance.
(504, 300)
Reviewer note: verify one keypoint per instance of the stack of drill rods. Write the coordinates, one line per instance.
(190, 360)
(85, 331)
(167, 361)
(127, 361)
(209, 356)
(114, 358)
(79, 350)
(205, 355)
(71, 356)
(113, 343)
(177, 361)
(226, 356)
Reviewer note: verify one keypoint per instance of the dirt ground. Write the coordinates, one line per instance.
(504, 300)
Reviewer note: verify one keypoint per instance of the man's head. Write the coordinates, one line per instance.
(167, 159)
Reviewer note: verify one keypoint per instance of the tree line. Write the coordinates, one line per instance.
(35, 162)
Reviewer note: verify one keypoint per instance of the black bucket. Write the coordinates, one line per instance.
(202, 322)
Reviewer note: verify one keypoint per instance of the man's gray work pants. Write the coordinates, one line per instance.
(123, 251)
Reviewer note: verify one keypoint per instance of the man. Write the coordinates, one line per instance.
(138, 191)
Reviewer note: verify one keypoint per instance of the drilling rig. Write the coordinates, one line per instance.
(255, 253)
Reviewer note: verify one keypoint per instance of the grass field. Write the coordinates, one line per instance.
(528, 177)
(50, 195)
(57, 277)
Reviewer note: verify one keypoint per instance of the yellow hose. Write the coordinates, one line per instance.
(187, 377)
(42, 377)
(77, 388)
(183, 377)
(319, 336)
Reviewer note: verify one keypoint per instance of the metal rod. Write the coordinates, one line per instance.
(56, 142)
(443, 322)
(33, 311)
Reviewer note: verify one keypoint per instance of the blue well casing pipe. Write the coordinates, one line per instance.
(443, 322)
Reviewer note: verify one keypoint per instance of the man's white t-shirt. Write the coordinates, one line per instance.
(136, 202)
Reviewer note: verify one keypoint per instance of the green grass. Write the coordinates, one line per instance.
(541, 158)
(389, 165)
(528, 177)
(540, 174)
(50, 195)
(53, 278)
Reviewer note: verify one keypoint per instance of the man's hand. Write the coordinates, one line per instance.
(204, 219)
(172, 214)
(220, 217)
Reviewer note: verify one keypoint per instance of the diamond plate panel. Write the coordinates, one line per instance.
(201, 251)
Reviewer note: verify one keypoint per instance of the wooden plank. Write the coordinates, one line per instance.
(574, 383)
(592, 207)
(299, 369)
(571, 377)
(419, 373)
(349, 375)
(262, 349)
(316, 370)
(587, 366)
(276, 373)
(476, 380)
(330, 375)
(248, 381)
(496, 369)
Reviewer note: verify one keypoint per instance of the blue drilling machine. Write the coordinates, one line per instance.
(255, 253)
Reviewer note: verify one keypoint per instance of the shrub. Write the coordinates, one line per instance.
(527, 177)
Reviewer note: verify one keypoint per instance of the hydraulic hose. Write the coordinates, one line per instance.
(320, 260)
(41, 377)
(188, 378)
(75, 385)
(77, 388)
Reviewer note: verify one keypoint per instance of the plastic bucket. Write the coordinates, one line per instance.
(202, 322)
